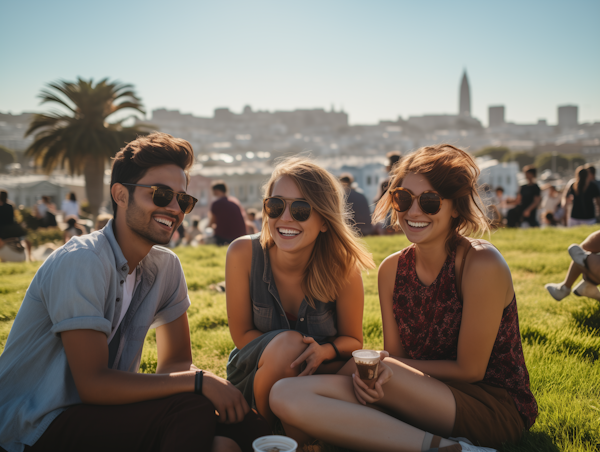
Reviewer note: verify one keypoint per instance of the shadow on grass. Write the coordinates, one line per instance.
(559, 342)
(531, 441)
(540, 442)
(588, 318)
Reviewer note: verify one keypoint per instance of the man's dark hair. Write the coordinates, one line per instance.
(500, 188)
(133, 161)
(72, 197)
(195, 223)
(591, 169)
(530, 169)
(219, 185)
(3, 196)
(346, 178)
(393, 158)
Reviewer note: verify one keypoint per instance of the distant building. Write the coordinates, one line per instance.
(496, 116)
(568, 117)
(12, 131)
(464, 108)
(497, 174)
(431, 123)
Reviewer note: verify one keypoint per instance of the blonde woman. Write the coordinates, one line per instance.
(294, 292)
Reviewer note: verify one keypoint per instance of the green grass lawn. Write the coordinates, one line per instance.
(561, 340)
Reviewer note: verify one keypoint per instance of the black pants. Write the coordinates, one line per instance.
(220, 241)
(514, 217)
(180, 422)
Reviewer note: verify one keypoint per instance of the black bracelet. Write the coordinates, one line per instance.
(337, 352)
(198, 382)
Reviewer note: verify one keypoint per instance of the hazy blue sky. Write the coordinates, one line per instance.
(377, 59)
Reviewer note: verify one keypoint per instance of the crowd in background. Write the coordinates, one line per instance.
(546, 205)
(577, 203)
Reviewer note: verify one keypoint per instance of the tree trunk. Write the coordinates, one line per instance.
(94, 183)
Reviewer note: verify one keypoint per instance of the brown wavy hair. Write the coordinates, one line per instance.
(337, 251)
(453, 174)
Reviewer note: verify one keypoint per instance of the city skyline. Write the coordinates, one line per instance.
(377, 61)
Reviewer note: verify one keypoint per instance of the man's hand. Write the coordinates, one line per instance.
(227, 399)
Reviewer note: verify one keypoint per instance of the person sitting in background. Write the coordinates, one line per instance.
(45, 212)
(357, 205)
(193, 234)
(69, 373)
(250, 226)
(14, 245)
(73, 229)
(101, 221)
(527, 202)
(581, 196)
(70, 206)
(586, 262)
(492, 212)
(384, 227)
(500, 201)
(394, 158)
(226, 216)
(550, 206)
(256, 218)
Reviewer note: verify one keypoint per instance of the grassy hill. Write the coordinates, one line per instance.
(561, 340)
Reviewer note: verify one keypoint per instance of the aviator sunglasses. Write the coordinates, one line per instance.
(275, 206)
(430, 202)
(163, 196)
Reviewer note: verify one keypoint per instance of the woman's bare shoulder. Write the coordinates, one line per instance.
(240, 248)
(485, 257)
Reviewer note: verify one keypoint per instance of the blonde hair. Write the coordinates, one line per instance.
(337, 251)
(453, 174)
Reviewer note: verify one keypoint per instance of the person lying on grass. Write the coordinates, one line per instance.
(294, 293)
(453, 371)
(586, 262)
(68, 373)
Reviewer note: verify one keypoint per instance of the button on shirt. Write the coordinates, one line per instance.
(77, 287)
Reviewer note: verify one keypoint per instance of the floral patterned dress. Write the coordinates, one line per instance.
(429, 319)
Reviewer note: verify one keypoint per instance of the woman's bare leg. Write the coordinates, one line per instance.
(223, 444)
(572, 274)
(593, 268)
(592, 242)
(325, 407)
(274, 364)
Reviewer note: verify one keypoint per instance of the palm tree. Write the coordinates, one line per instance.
(81, 140)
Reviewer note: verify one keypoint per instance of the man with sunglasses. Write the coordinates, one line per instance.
(68, 373)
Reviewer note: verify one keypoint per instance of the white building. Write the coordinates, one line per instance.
(499, 174)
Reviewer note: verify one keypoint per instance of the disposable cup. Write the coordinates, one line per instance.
(367, 364)
(274, 443)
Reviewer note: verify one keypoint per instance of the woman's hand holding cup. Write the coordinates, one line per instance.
(374, 373)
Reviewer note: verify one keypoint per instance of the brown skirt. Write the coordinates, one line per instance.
(486, 415)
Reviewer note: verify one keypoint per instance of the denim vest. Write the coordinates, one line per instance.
(319, 322)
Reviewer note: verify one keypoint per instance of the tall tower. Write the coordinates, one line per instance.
(464, 106)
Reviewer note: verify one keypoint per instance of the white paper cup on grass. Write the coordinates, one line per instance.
(274, 443)
(367, 364)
